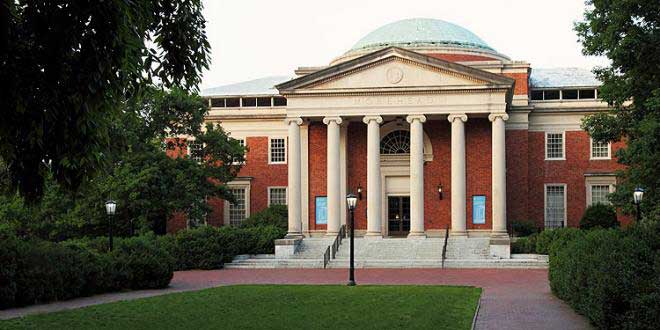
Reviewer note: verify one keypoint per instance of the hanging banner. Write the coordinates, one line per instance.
(321, 210)
(478, 210)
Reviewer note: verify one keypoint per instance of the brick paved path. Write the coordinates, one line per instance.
(512, 298)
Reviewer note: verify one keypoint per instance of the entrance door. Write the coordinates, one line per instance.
(398, 215)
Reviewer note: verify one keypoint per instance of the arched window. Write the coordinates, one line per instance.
(395, 143)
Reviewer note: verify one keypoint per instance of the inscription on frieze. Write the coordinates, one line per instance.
(398, 100)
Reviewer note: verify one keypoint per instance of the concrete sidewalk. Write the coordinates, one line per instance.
(512, 298)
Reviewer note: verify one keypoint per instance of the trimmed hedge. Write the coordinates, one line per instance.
(599, 216)
(523, 228)
(611, 276)
(524, 244)
(35, 271)
(276, 215)
(549, 240)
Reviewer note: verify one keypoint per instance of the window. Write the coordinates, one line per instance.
(276, 196)
(599, 193)
(237, 210)
(263, 101)
(217, 103)
(277, 151)
(233, 102)
(552, 94)
(587, 94)
(569, 94)
(397, 142)
(554, 145)
(242, 143)
(249, 102)
(195, 151)
(555, 206)
(279, 101)
(600, 150)
(537, 95)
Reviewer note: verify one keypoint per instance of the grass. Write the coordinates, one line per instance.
(276, 307)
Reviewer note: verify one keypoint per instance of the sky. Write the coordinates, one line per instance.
(251, 39)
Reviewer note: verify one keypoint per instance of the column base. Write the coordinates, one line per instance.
(417, 235)
(331, 234)
(458, 233)
(294, 236)
(499, 234)
(373, 235)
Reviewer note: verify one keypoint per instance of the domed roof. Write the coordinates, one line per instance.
(420, 32)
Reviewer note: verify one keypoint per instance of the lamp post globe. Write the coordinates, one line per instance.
(351, 202)
(638, 195)
(110, 210)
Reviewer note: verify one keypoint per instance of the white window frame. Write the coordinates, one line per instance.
(189, 149)
(245, 156)
(286, 194)
(270, 153)
(238, 185)
(545, 201)
(598, 181)
(591, 151)
(563, 146)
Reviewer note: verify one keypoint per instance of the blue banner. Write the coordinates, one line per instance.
(478, 210)
(322, 210)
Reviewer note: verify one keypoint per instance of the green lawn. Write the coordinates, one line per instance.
(276, 306)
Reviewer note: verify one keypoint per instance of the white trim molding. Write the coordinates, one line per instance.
(270, 153)
(545, 202)
(591, 151)
(563, 145)
(239, 183)
(286, 194)
(595, 180)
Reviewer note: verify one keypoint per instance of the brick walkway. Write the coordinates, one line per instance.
(512, 298)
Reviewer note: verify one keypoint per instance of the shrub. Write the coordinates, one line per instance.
(523, 228)
(276, 215)
(197, 248)
(548, 240)
(611, 276)
(143, 262)
(599, 216)
(524, 244)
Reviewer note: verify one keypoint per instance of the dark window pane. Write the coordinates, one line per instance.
(552, 94)
(537, 95)
(218, 103)
(569, 94)
(263, 101)
(249, 101)
(587, 93)
(233, 102)
(279, 101)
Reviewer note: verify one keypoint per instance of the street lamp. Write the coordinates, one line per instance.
(110, 209)
(351, 201)
(638, 195)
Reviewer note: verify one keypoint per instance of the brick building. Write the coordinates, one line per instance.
(429, 126)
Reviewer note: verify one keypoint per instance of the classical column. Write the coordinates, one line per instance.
(333, 177)
(498, 174)
(295, 221)
(458, 217)
(416, 175)
(373, 176)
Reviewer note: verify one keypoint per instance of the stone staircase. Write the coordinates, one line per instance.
(462, 252)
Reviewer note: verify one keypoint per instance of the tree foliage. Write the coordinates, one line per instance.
(627, 32)
(67, 66)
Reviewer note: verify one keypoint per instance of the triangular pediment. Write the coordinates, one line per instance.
(394, 69)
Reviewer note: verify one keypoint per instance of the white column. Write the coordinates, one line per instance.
(457, 188)
(333, 177)
(416, 175)
(373, 176)
(499, 174)
(294, 162)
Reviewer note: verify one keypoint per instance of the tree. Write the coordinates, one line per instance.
(627, 32)
(67, 66)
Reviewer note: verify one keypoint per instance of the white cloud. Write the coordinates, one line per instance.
(252, 39)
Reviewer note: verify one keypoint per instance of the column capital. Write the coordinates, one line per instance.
(336, 119)
(463, 117)
(494, 116)
(296, 120)
(367, 119)
(411, 118)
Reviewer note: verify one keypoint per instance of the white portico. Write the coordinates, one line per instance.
(389, 85)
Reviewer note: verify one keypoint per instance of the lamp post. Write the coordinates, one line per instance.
(638, 195)
(351, 201)
(110, 209)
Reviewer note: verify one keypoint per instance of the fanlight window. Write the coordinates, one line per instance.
(395, 143)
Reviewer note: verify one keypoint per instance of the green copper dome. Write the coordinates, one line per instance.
(420, 32)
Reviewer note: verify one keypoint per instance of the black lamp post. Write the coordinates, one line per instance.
(351, 201)
(638, 195)
(110, 209)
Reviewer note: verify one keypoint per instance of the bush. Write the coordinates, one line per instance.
(523, 228)
(197, 248)
(275, 215)
(524, 244)
(549, 240)
(35, 271)
(611, 276)
(599, 216)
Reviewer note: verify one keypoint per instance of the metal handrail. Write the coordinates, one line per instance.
(444, 247)
(331, 251)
